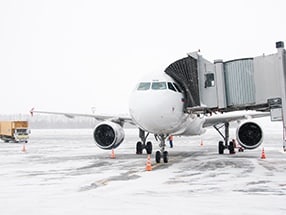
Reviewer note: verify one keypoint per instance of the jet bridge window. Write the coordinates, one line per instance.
(209, 80)
(159, 86)
(144, 86)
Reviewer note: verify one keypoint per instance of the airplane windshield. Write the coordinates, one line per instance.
(144, 86)
(177, 87)
(171, 87)
(159, 86)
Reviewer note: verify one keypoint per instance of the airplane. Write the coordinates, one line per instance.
(157, 106)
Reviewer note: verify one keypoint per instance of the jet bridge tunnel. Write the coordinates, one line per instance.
(255, 83)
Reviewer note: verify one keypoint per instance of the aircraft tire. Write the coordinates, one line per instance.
(158, 157)
(231, 148)
(149, 148)
(220, 147)
(139, 148)
(165, 157)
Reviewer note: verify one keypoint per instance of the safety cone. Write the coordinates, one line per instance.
(202, 143)
(112, 154)
(148, 164)
(24, 148)
(263, 156)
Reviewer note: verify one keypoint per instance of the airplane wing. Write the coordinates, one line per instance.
(232, 116)
(99, 117)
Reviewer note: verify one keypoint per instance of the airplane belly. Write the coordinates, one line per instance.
(193, 126)
(163, 123)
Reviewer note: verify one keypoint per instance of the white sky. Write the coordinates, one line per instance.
(71, 55)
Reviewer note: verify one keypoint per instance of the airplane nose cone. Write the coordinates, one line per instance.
(146, 115)
(154, 113)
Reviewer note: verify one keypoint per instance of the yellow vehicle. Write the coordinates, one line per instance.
(14, 131)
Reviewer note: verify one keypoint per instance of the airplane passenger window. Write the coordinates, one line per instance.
(144, 86)
(177, 87)
(171, 87)
(159, 86)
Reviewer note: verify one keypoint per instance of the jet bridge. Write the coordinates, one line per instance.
(255, 83)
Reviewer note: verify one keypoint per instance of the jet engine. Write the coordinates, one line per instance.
(108, 135)
(249, 135)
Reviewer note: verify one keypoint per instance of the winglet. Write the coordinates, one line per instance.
(32, 111)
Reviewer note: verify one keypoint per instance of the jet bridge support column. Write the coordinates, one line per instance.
(282, 72)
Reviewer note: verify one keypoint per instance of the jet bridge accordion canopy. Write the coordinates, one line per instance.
(185, 73)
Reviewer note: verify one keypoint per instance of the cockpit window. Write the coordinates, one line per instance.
(144, 86)
(171, 86)
(177, 87)
(159, 86)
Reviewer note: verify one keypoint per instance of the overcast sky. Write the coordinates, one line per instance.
(71, 55)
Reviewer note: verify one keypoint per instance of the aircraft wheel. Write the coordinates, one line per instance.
(165, 157)
(220, 147)
(158, 157)
(231, 148)
(149, 148)
(139, 148)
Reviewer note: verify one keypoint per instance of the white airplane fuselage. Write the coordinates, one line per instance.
(156, 106)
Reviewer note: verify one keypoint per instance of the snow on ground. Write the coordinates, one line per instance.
(63, 172)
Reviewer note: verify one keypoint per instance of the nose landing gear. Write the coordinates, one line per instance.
(162, 153)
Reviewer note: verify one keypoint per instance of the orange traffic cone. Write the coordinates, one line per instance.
(202, 142)
(263, 156)
(148, 164)
(24, 148)
(112, 154)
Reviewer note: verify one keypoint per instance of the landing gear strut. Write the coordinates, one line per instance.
(162, 152)
(142, 144)
(222, 145)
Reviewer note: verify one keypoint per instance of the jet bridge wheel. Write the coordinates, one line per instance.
(241, 149)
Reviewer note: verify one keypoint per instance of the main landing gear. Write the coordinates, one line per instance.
(222, 145)
(141, 145)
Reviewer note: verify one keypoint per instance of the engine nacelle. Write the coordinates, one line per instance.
(108, 135)
(249, 135)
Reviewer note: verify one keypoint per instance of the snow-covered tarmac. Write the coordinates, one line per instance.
(63, 172)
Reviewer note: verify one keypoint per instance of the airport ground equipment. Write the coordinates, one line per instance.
(252, 83)
(14, 131)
